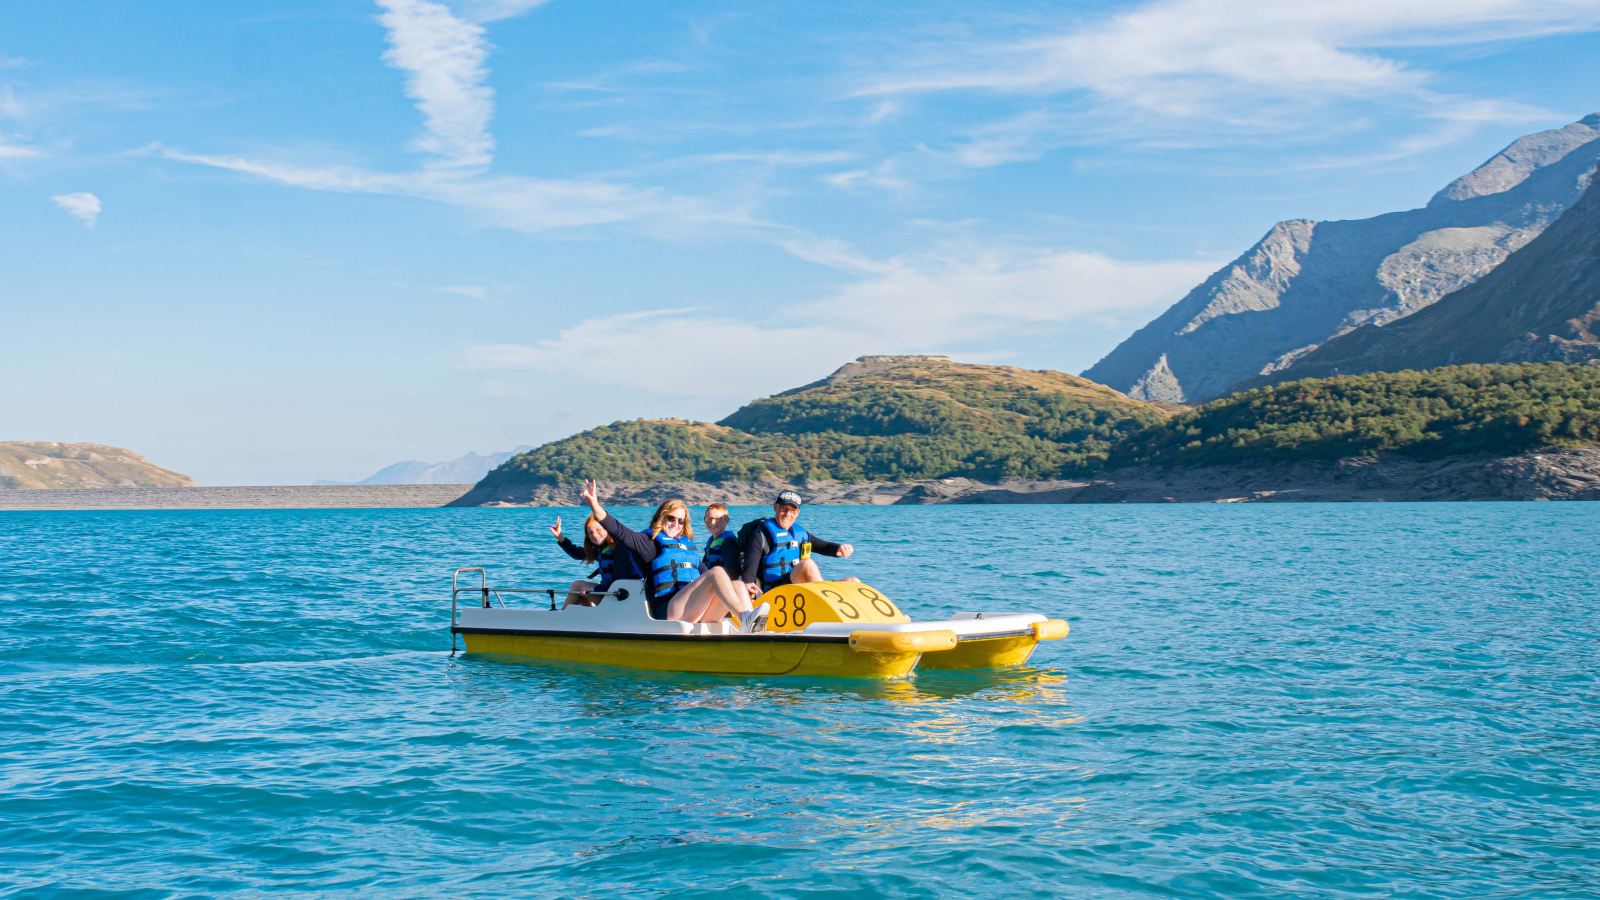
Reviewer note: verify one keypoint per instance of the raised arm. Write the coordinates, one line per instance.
(591, 496)
(829, 548)
(564, 542)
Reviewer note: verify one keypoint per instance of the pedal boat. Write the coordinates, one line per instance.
(826, 629)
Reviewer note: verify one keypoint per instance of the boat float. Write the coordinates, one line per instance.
(830, 628)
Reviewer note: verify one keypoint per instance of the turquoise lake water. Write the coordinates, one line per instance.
(1356, 700)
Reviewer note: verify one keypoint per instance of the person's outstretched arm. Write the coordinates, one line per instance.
(564, 542)
(640, 545)
(829, 548)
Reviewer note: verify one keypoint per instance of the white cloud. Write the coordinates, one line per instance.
(778, 157)
(883, 175)
(678, 352)
(444, 58)
(83, 206)
(963, 292)
(521, 203)
(16, 151)
(925, 303)
(1246, 66)
(477, 292)
(9, 107)
(492, 10)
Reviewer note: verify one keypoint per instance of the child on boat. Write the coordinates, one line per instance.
(611, 562)
(678, 583)
(722, 545)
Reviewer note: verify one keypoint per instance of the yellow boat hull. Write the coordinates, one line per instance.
(987, 653)
(711, 656)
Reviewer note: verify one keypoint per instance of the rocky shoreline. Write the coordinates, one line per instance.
(1554, 475)
(341, 496)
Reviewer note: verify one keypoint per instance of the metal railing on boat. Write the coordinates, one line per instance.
(485, 590)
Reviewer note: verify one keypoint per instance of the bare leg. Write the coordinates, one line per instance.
(580, 594)
(707, 599)
(807, 571)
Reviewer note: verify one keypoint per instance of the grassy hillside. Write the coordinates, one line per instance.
(46, 464)
(879, 419)
(1502, 409)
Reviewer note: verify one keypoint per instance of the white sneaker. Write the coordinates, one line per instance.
(755, 620)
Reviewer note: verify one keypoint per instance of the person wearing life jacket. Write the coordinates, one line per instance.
(677, 584)
(611, 562)
(722, 546)
(780, 551)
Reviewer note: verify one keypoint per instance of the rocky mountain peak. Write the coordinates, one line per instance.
(1524, 156)
(1306, 282)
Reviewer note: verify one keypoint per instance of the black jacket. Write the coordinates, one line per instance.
(573, 550)
(638, 544)
(757, 545)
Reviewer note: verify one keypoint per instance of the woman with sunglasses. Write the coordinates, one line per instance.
(677, 583)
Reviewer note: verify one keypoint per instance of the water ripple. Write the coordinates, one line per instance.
(1255, 701)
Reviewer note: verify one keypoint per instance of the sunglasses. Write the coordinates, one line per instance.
(679, 519)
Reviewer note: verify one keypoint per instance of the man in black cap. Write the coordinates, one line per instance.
(778, 551)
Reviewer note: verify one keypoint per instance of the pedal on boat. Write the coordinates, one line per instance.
(821, 629)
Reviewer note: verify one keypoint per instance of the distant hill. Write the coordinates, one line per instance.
(468, 469)
(46, 464)
(885, 418)
(1541, 304)
(1451, 411)
(1307, 282)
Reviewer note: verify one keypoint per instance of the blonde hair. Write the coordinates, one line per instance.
(591, 550)
(669, 506)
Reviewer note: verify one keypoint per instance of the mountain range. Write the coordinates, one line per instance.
(1307, 282)
(1541, 305)
(468, 469)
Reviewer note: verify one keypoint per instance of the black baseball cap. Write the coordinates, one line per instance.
(789, 497)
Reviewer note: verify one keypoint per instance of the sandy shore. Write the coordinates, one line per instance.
(334, 496)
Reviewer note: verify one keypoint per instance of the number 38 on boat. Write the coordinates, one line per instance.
(817, 629)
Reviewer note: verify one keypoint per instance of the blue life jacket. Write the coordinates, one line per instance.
(615, 564)
(788, 548)
(723, 550)
(676, 564)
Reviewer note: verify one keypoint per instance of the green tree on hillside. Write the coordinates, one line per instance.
(1449, 411)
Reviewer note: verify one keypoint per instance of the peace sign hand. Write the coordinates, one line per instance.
(590, 495)
(556, 528)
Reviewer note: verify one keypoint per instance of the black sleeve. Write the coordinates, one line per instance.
(822, 547)
(755, 550)
(642, 546)
(572, 550)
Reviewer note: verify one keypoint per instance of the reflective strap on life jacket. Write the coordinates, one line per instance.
(673, 556)
(788, 548)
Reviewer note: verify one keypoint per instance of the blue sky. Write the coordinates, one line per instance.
(281, 241)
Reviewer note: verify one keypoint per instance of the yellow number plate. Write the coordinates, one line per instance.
(794, 606)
